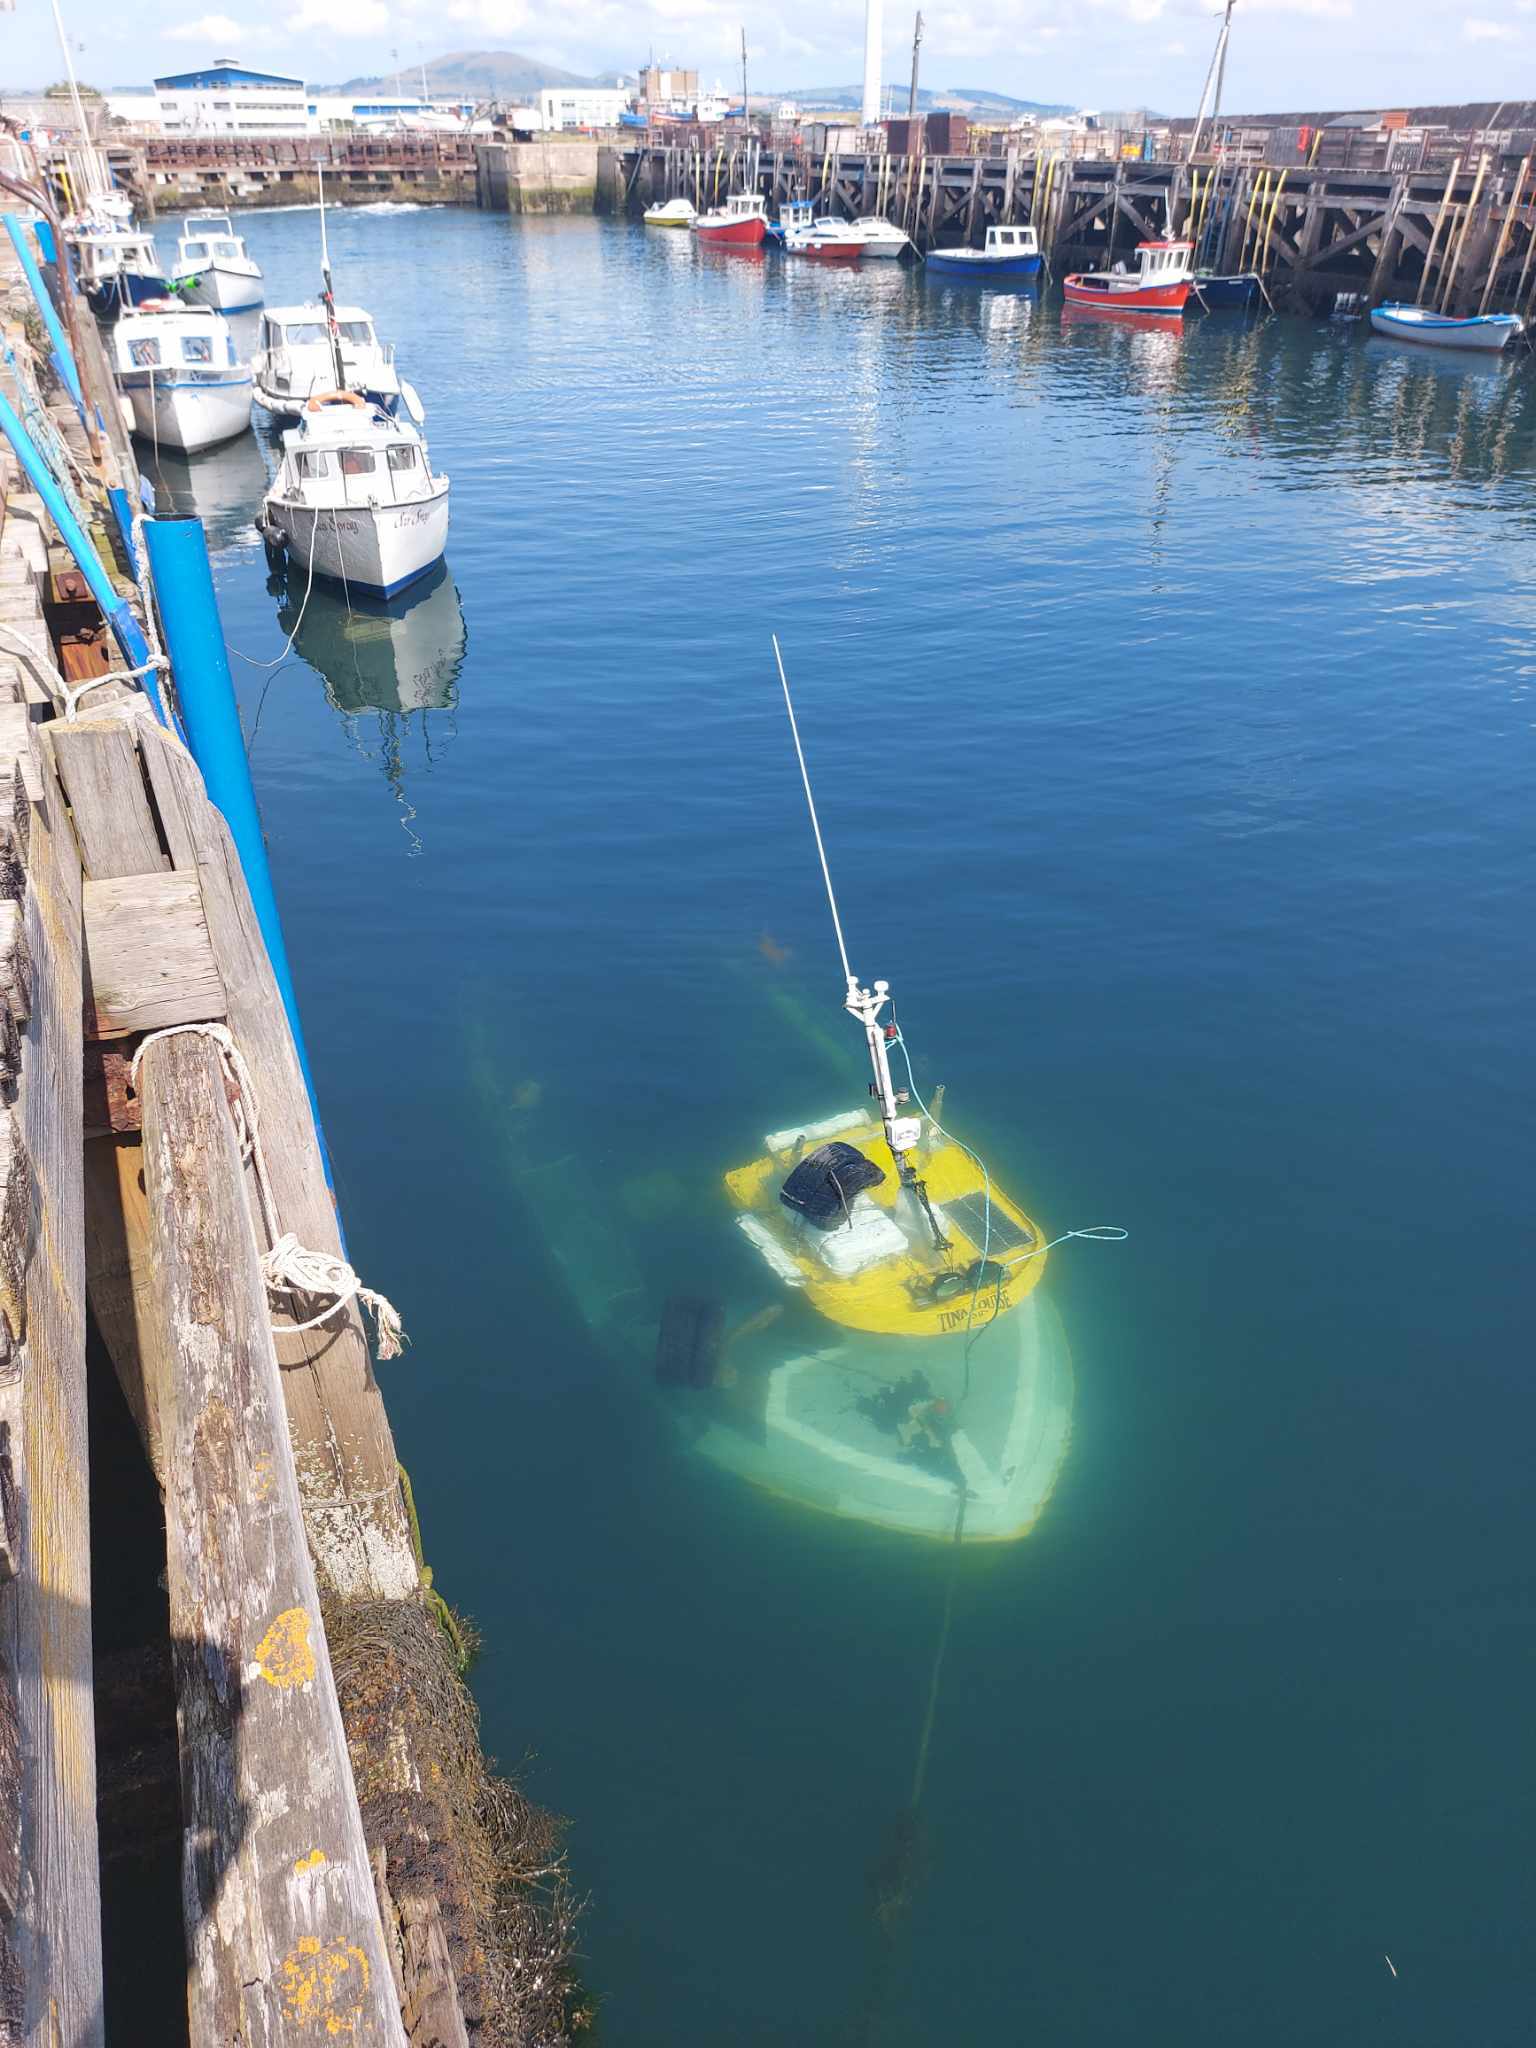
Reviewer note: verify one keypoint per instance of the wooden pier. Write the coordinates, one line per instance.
(348, 1867)
(1461, 237)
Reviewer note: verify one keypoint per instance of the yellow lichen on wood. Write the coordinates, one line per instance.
(284, 1656)
(324, 1983)
(312, 1861)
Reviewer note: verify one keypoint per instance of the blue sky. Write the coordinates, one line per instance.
(1285, 53)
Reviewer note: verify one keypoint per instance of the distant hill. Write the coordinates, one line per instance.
(977, 101)
(474, 74)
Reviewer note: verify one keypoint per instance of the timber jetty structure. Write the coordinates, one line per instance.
(234, 1727)
(1458, 234)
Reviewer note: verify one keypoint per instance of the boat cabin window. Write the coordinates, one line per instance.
(401, 459)
(229, 250)
(1005, 237)
(197, 348)
(145, 354)
(314, 465)
(357, 462)
(360, 331)
(195, 252)
(299, 332)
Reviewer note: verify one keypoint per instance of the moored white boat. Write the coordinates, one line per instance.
(673, 213)
(177, 367)
(802, 234)
(878, 237)
(355, 498)
(213, 266)
(1486, 331)
(298, 357)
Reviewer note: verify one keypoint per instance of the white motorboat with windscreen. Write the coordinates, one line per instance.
(299, 356)
(213, 266)
(355, 498)
(176, 365)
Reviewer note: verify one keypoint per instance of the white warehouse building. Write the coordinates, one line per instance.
(226, 99)
(582, 106)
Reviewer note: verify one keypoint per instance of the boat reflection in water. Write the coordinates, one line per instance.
(400, 657)
(222, 486)
(1127, 317)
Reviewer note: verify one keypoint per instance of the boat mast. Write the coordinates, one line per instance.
(1213, 77)
(917, 44)
(902, 1132)
(328, 294)
(74, 93)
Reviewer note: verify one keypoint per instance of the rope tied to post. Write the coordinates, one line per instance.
(289, 1266)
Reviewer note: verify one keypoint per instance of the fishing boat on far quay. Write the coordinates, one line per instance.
(672, 213)
(1008, 252)
(214, 267)
(1161, 282)
(1488, 332)
(742, 222)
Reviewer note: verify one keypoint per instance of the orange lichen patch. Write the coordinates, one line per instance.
(263, 1478)
(323, 1984)
(284, 1656)
(312, 1861)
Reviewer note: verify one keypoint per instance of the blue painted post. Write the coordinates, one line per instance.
(64, 361)
(114, 610)
(194, 640)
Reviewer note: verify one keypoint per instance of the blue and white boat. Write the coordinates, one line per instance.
(214, 267)
(1009, 252)
(1486, 331)
(118, 268)
(176, 365)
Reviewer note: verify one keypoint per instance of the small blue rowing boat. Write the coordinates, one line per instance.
(1487, 331)
(1010, 252)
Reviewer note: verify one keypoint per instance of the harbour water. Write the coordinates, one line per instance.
(1168, 697)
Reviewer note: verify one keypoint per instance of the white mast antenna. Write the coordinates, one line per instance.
(865, 1004)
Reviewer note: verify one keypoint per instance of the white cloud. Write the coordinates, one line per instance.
(1477, 31)
(208, 28)
(321, 17)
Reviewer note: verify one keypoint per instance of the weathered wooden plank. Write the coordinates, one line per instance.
(284, 1941)
(148, 959)
(348, 1477)
(50, 1905)
(99, 767)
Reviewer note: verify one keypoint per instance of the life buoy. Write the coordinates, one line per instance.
(336, 398)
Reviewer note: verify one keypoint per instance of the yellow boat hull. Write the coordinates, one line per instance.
(888, 1297)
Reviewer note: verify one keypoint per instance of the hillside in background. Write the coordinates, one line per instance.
(475, 74)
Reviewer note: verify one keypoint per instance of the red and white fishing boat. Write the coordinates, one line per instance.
(742, 221)
(1160, 284)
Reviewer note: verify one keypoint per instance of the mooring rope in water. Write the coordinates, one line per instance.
(289, 1266)
(925, 1741)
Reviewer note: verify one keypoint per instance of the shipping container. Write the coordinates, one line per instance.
(903, 138)
(948, 135)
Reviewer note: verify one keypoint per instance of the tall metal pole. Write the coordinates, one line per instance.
(874, 43)
(1213, 78)
(69, 73)
(746, 104)
(917, 44)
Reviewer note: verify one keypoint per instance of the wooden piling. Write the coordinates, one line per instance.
(283, 1930)
(50, 1899)
(1504, 232)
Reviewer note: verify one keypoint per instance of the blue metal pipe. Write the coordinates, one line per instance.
(114, 609)
(63, 360)
(194, 639)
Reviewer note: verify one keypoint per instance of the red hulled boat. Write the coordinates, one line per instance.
(1160, 284)
(742, 221)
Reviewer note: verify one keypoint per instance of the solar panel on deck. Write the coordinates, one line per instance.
(999, 1233)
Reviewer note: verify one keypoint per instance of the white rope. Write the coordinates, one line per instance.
(826, 872)
(289, 1265)
(73, 692)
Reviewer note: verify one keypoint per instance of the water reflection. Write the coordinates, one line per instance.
(222, 486)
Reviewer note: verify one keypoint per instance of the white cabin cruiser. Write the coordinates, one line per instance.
(177, 367)
(879, 237)
(355, 499)
(213, 266)
(299, 357)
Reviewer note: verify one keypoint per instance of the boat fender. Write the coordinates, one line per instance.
(413, 404)
(322, 398)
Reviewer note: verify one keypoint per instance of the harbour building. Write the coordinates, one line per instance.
(226, 99)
